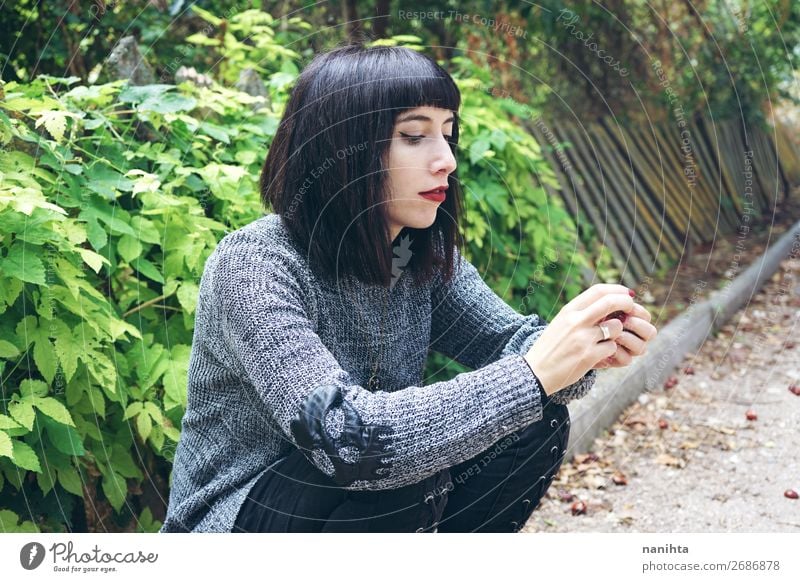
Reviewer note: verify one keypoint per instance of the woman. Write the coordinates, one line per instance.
(306, 409)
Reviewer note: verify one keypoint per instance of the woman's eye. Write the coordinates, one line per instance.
(412, 139)
(415, 139)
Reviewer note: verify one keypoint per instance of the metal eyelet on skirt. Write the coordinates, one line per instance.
(553, 423)
(420, 530)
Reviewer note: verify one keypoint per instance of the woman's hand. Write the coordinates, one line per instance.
(572, 344)
(637, 332)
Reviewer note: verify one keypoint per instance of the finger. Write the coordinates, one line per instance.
(633, 344)
(639, 311)
(607, 305)
(613, 361)
(643, 329)
(614, 327)
(605, 363)
(622, 358)
(595, 292)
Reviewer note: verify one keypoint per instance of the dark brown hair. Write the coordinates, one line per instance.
(326, 170)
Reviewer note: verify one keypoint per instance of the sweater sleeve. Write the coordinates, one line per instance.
(362, 439)
(473, 325)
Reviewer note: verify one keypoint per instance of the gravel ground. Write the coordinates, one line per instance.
(685, 457)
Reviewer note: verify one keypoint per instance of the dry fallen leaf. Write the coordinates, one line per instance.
(578, 508)
(669, 460)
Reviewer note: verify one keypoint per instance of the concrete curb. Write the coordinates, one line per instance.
(616, 389)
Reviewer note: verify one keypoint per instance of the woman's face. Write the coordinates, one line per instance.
(420, 160)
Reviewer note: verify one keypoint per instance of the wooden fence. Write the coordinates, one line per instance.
(651, 192)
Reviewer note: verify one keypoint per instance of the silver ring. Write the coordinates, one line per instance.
(606, 333)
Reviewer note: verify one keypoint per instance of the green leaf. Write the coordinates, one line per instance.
(7, 422)
(134, 408)
(96, 400)
(25, 457)
(23, 413)
(8, 350)
(187, 296)
(149, 364)
(123, 463)
(146, 523)
(23, 263)
(106, 181)
(45, 357)
(175, 380)
(115, 489)
(114, 221)
(92, 259)
(96, 234)
(206, 15)
(477, 150)
(54, 409)
(11, 288)
(246, 157)
(6, 449)
(129, 247)
(216, 131)
(32, 389)
(173, 433)
(68, 348)
(145, 182)
(154, 412)
(64, 438)
(168, 103)
(73, 231)
(100, 367)
(70, 480)
(26, 200)
(140, 93)
(9, 523)
(28, 331)
(148, 269)
(146, 230)
(118, 327)
(55, 122)
(157, 438)
(144, 425)
(46, 479)
(74, 280)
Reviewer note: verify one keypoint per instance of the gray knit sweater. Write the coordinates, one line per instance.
(281, 359)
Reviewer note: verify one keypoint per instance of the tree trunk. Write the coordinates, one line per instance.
(350, 16)
(381, 21)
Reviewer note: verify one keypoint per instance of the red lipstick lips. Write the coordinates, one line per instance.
(437, 194)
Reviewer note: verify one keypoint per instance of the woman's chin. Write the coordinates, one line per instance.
(423, 222)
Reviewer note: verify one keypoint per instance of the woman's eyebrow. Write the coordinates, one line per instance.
(420, 117)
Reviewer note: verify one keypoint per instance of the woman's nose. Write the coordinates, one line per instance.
(445, 160)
